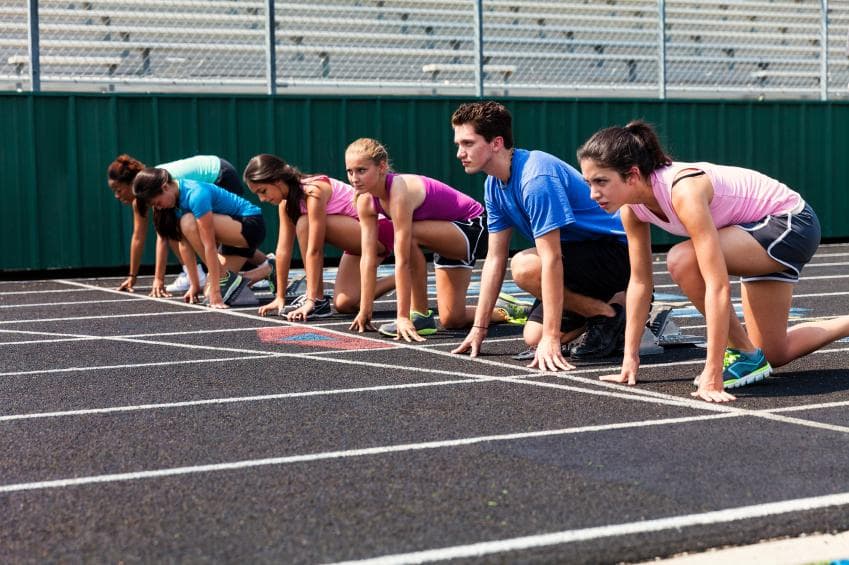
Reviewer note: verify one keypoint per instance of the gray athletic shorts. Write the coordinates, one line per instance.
(790, 238)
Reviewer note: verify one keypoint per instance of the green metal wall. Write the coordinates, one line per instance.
(57, 211)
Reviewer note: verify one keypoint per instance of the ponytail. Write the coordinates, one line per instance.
(620, 148)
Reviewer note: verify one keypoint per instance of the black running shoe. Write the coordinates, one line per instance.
(602, 335)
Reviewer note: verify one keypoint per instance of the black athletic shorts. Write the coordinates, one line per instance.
(228, 178)
(475, 232)
(253, 230)
(596, 268)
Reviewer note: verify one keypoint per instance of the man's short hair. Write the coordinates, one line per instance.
(489, 119)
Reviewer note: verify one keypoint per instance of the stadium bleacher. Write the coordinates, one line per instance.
(530, 46)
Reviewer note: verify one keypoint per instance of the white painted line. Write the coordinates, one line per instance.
(230, 400)
(108, 317)
(614, 530)
(54, 291)
(75, 303)
(131, 366)
(351, 453)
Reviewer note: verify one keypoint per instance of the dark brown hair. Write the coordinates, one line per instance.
(147, 185)
(489, 119)
(620, 148)
(267, 169)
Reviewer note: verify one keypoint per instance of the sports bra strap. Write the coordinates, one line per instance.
(688, 175)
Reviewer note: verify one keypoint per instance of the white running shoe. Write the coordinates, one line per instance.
(181, 283)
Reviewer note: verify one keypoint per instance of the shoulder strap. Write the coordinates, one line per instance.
(688, 175)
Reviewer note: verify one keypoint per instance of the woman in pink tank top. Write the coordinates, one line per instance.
(319, 210)
(426, 213)
(739, 222)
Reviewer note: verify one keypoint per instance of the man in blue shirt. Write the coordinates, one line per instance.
(579, 266)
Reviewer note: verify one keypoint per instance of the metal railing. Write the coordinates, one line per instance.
(645, 48)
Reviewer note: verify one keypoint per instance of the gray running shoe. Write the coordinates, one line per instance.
(320, 308)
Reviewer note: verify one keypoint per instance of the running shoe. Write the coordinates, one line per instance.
(425, 324)
(602, 335)
(741, 368)
(231, 285)
(514, 310)
(181, 283)
(294, 290)
(320, 307)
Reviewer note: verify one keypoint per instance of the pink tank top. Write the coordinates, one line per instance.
(441, 202)
(341, 199)
(739, 196)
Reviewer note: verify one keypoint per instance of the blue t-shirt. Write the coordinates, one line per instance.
(544, 194)
(198, 198)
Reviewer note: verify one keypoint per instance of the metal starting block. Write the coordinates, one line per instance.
(665, 332)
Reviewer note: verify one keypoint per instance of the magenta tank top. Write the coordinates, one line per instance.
(739, 196)
(341, 199)
(441, 202)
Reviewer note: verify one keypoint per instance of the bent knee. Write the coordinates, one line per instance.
(532, 333)
(680, 261)
(525, 268)
(346, 304)
(452, 321)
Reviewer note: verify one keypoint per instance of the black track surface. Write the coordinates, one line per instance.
(135, 429)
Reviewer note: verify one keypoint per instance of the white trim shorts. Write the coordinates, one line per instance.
(790, 238)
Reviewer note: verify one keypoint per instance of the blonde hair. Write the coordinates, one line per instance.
(372, 149)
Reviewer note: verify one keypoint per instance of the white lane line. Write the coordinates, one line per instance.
(131, 365)
(727, 515)
(640, 397)
(231, 400)
(819, 406)
(351, 453)
(54, 291)
(107, 317)
(74, 303)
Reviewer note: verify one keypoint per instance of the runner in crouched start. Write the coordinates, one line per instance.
(318, 209)
(201, 216)
(425, 213)
(740, 222)
(578, 268)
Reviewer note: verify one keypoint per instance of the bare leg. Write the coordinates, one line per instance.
(766, 305)
(451, 288)
(346, 292)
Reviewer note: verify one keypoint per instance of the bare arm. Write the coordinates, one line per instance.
(548, 355)
(283, 258)
(491, 279)
(206, 229)
(317, 196)
(136, 248)
(638, 296)
(691, 201)
(368, 263)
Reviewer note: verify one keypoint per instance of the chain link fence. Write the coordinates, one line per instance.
(645, 48)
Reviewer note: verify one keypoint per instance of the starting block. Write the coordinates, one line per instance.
(665, 332)
(244, 298)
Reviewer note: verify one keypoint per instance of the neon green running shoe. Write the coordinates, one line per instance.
(425, 324)
(741, 369)
(514, 310)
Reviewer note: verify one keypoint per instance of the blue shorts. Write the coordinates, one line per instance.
(790, 238)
